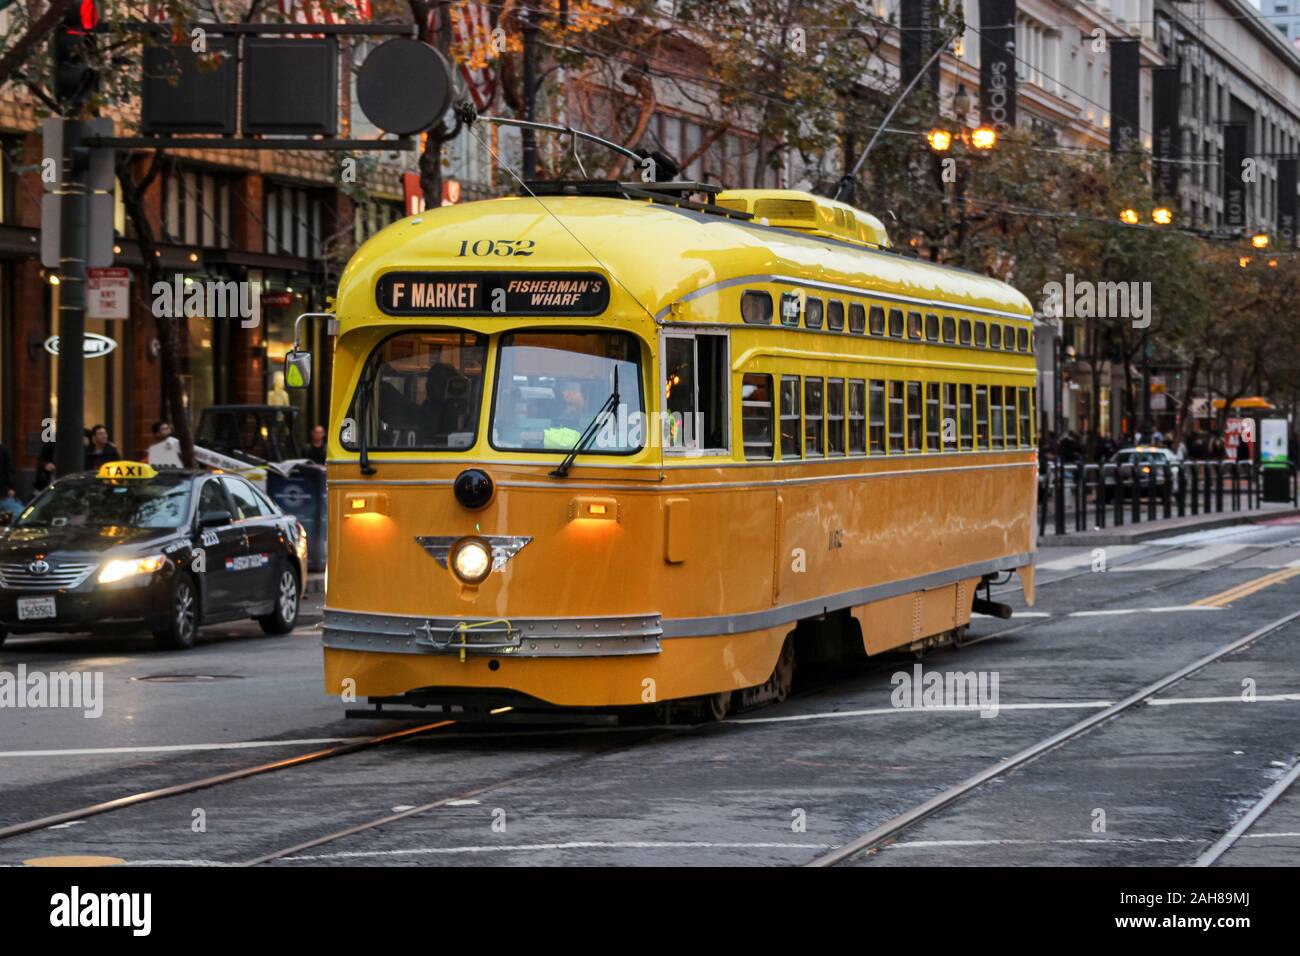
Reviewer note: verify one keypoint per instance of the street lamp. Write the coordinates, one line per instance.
(940, 140)
(1162, 215)
(1259, 240)
(984, 137)
(1129, 216)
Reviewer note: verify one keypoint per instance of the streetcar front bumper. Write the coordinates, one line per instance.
(517, 637)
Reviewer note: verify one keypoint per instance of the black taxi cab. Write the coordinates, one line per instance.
(129, 547)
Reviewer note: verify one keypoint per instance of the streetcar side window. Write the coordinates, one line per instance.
(981, 333)
(950, 415)
(982, 416)
(756, 308)
(1022, 340)
(931, 416)
(756, 415)
(835, 315)
(896, 323)
(1009, 337)
(949, 329)
(813, 427)
(997, 433)
(877, 420)
(790, 441)
(812, 313)
(896, 417)
(913, 416)
(914, 325)
(995, 336)
(967, 423)
(695, 392)
(857, 417)
(790, 309)
(965, 331)
(1026, 437)
(857, 318)
(835, 416)
(1009, 416)
(931, 327)
(877, 320)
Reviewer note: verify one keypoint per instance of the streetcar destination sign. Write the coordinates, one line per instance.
(492, 293)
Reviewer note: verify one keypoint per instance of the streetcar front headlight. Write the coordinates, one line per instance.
(121, 568)
(471, 560)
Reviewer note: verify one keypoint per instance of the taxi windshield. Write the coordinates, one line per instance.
(550, 385)
(88, 502)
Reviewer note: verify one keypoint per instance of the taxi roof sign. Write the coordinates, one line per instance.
(125, 469)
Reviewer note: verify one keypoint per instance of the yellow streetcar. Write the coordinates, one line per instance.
(607, 446)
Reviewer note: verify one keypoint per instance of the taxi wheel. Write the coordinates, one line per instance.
(285, 616)
(183, 622)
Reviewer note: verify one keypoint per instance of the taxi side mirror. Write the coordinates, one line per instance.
(215, 519)
(297, 369)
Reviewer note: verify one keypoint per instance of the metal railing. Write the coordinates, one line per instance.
(1069, 494)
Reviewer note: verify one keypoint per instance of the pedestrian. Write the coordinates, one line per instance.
(316, 450)
(44, 466)
(8, 483)
(100, 449)
(165, 452)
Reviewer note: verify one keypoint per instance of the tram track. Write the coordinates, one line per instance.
(892, 828)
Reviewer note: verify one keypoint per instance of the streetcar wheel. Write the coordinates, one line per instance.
(783, 674)
(285, 615)
(717, 706)
(183, 622)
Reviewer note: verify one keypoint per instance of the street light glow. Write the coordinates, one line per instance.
(1162, 216)
(1129, 216)
(984, 137)
(1259, 240)
(940, 140)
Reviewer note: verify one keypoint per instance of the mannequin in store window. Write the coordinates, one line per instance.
(277, 394)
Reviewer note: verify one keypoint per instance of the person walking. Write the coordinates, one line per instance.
(316, 450)
(100, 450)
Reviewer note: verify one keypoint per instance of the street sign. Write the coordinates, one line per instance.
(108, 293)
(404, 86)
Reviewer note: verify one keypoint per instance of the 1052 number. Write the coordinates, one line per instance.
(496, 247)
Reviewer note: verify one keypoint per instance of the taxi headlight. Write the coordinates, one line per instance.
(121, 568)
(471, 560)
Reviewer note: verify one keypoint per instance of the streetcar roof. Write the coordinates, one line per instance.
(656, 255)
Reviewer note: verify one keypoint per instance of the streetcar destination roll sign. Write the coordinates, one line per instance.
(492, 293)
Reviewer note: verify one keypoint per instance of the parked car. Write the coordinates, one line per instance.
(1151, 466)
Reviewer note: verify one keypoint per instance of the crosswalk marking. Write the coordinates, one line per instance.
(1190, 558)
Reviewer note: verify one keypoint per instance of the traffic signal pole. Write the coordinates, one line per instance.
(69, 452)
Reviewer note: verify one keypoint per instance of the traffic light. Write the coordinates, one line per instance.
(73, 46)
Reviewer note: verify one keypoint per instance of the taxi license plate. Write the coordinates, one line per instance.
(36, 608)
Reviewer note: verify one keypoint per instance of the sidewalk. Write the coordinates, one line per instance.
(1129, 533)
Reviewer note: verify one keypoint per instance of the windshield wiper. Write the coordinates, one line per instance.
(589, 433)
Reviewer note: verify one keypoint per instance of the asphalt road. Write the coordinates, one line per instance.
(1157, 784)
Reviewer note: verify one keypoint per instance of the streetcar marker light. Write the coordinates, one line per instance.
(598, 509)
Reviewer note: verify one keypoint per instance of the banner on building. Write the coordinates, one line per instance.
(1286, 202)
(1234, 182)
(918, 22)
(998, 64)
(1125, 95)
(475, 51)
(1166, 146)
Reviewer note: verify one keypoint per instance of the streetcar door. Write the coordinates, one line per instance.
(696, 392)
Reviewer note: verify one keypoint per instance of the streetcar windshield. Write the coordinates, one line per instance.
(161, 502)
(421, 391)
(551, 385)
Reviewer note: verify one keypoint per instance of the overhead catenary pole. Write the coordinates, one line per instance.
(69, 452)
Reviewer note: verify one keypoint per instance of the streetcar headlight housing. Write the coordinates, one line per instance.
(470, 560)
(122, 568)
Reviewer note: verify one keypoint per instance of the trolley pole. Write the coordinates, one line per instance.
(1147, 429)
(529, 137)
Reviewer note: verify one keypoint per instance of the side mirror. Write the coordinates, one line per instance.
(215, 519)
(297, 369)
